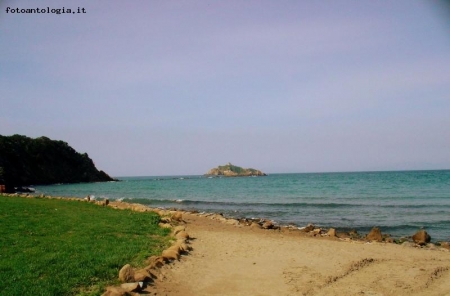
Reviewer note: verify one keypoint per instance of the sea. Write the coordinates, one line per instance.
(398, 202)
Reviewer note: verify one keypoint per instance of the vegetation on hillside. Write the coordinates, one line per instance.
(26, 161)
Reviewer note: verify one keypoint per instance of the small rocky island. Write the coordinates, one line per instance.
(230, 170)
(25, 161)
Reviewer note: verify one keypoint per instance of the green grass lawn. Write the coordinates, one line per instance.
(61, 247)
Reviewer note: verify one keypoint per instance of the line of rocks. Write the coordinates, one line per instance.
(420, 239)
(137, 281)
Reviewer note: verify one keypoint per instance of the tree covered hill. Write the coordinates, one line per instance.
(26, 161)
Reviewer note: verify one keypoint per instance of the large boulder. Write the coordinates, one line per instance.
(375, 235)
(421, 237)
(126, 274)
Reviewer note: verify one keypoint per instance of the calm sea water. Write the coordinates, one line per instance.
(399, 203)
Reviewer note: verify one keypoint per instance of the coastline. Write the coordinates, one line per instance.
(344, 233)
(227, 257)
(398, 203)
(232, 259)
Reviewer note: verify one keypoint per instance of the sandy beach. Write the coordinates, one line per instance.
(241, 260)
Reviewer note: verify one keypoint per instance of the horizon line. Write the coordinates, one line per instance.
(284, 173)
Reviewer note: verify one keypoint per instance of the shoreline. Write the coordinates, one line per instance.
(233, 259)
(398, 203)
(310, 228)
(345, 233)
(227, 257)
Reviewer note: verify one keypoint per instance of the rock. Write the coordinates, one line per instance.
(332, 232)
(142, 275)
(219, 217)
(389, 240)
(353, 233)
(115, 291)
(177, 216)
(316, 231)
(131, 287)
(183, 247)
(255, 225)
(178, 229)
(445, 245)
(165, 220)
(162, 213)
(232, 222)
(375, 235)
(170, 255)
(139, 208)
(216, 216)
(126, 274)
(175, 248)
(308, 228)
(164, 225)
(181, 240)
(421, 237)
(182, 234)
(268, 225)
(154, 262)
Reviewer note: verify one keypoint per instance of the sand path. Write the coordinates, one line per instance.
(237, 260)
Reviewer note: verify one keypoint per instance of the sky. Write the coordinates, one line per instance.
(179, 87)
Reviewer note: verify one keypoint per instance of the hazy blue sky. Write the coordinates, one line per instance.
(179, 87)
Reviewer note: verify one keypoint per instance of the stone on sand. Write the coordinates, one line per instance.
(375, 235)
(421, 237)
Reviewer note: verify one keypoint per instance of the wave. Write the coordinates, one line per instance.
(238, 204)
(193, 203)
